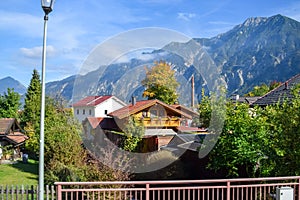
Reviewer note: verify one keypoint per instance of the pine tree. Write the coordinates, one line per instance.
(31, 113)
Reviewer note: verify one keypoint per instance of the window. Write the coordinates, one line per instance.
(145, 114)
(105, 112)
(83, 111)
(90, 112)
(153, 113)
(77, 111)
(157, 111)
(162, 113)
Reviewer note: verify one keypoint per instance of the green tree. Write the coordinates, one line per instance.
(283, 127)
(242, 142)
(160, 83)
(205, 109)
(262, 89)
(31, 113)
(134, 132)
(9, 104)
(259, 141)
(64, 154)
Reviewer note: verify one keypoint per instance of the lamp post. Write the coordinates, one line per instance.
(47, 6)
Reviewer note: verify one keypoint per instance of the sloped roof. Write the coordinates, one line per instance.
(141, 105)
(248, 100)
(92, 100)
(103, 122)
(186, 129)
(16, 138)
(10, 131)
(186, 110)
(5, 125)
(283, 91)
(159, 132)
(185, 141)
(94, 121)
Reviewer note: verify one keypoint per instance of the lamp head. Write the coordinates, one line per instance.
(47, 6)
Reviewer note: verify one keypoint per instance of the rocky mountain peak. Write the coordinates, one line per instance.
(254, 21)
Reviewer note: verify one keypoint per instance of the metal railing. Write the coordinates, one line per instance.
(218, 189)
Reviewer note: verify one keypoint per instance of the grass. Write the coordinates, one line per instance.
(19, 173)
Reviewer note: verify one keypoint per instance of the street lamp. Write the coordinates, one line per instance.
(47, 6)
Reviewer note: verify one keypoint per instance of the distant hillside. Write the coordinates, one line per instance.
(9, 82)
(260, 50)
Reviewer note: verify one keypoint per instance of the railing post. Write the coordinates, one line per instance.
(228, 190)
(147, 191)
(299, 187)
(58, 193)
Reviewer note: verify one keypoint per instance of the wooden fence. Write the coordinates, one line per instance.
(10, 192)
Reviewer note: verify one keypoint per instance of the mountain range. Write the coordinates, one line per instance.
(9, 82)
(260, 50)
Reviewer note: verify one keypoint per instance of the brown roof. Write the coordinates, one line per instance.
(5, 125)
(103, 122)
(17, 138)
(92, 100)
(10, 131)
(94, 121)
(141, 105)
(186, 110)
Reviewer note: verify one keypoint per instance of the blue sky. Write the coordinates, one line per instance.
(76, 27)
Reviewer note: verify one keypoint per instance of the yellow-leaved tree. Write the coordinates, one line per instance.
(160, 83)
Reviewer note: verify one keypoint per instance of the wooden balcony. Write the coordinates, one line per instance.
(161, 122)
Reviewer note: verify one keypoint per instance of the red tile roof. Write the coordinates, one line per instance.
(103, 122)
(10, 131)
(140, 105)
(17, 137)
(92, 100)
(94, 121)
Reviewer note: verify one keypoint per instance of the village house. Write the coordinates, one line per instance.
(12, 139)
(96, 106)
(161, 122)
(280, 93)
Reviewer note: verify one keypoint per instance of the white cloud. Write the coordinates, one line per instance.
(186, 16)
(36, 52)
(20, 23)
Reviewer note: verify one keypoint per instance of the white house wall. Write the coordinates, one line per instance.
(100, 110)
(106, 107)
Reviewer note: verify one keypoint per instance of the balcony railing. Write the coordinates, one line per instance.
(161, 122)
(218, 189)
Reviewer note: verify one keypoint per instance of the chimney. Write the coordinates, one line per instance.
(133, 100)
(286, 84)
(193, 91)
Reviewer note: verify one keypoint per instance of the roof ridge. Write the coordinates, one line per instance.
(95, 99)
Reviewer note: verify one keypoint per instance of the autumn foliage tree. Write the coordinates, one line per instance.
(160, 83)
